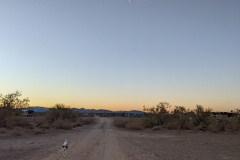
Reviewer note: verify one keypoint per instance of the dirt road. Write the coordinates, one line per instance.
(102, 141)
(99, 143)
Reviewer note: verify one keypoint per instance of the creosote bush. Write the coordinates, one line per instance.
(38, 131)
(131, 124)
(120, 123)
(233, 124)
(61, 124)
(134, 125)
(88, 120)
(155, 128)
(180, 118)
(9, 105)
(61, 112)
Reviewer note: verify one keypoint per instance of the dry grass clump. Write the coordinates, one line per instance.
(61, 124)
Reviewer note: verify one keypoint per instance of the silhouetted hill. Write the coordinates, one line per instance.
(89, 111)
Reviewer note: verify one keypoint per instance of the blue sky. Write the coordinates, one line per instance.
(118, 55)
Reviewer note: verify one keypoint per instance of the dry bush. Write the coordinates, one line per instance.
(2, 130)
(120, 123)
(77, 124)
(20, 122)
(17, 133)
(234, 124)
(60, 124)
(88, 120)
(155, 128)
(134, 125)
(43, 123)
(38, 131)
(149, 122)
(45, 126)
(217, 125)
(60, 111)
(171, 125)
(30, 126)
(131, 124)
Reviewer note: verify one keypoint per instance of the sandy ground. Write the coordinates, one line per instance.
(102, 141)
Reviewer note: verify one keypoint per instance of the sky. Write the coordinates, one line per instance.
(112, 54)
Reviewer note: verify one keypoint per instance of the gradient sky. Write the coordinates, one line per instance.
(117, 55)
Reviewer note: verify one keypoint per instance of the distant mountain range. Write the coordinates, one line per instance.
(89, 111)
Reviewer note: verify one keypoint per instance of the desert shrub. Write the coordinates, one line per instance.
(45, 126)
(134, 125)
(61, 124)
(188, 125)
(171, 125)
(60, 111)
(155, 128)
(157, 115)
(182, 117)
(201, 116)
(38, 131)
(217, 125)
(20, 122)
(30, 126)
(9, 105)
(234, 124)
(88, 120)
(77, 124)
(43, 123)
(149, 121)
(17, 133)
(120, 123)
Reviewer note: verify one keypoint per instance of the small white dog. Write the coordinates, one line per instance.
(64, 148)
(65, 144)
